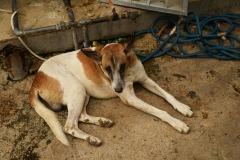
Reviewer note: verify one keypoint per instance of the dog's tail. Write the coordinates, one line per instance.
(49, 116)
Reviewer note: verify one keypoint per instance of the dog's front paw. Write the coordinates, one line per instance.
(184, 109)
(104, 122)
(94, 141)
(181, 126)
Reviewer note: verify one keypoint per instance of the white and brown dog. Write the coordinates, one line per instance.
(102, 72)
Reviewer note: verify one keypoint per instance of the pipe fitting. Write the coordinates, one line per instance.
(18, 32)
(70, 15)
(62, 26)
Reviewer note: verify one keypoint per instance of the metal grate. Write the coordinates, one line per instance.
(168, 6)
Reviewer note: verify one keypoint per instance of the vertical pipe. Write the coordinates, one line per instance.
(75, 42)
(185, 5)
(15, 18)
(166, 3)
(67, 3)
(148, 2)
(72, 19)
(85, 36)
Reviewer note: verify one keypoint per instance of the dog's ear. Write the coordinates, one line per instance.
(94, 53)
(129, 45)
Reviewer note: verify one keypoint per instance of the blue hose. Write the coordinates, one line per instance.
(207, 49)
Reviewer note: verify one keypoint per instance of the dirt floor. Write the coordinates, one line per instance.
(211, 87)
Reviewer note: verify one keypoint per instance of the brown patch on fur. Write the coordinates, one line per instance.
(47, 87)
(132, 59)
(88, 139)
(32, 96)
(91, 69)
(86, 120)
(113, 51)
(117, 50)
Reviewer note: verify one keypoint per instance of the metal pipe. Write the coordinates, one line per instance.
(85, 36)
(39, 30)
(129, 15)
(166, 3)
(15, 18)
(64, 26)
(67, 3)
(20, 33)
(72, 19)
(75, 41)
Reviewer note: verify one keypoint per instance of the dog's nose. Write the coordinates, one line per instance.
(118, 90)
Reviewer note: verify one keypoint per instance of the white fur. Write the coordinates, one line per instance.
(52, 121)
(77, 89)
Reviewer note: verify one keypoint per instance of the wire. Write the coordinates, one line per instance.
(207, 49)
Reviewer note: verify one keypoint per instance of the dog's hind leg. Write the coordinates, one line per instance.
(56, 107)
(101, 121)
(128, 96)
(155, 88)
(75, 104)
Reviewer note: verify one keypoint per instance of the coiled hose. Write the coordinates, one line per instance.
(207, 49)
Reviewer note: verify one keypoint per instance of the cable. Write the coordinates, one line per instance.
(207, 49)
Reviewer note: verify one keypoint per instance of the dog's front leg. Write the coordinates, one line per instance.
(128, 96)
(155, 88)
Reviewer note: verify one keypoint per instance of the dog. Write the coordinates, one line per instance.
(105, 71)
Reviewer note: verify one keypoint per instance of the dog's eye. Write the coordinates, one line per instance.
(108, 69)
(122, 67)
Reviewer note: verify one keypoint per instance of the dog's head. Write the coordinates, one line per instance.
(113, 59)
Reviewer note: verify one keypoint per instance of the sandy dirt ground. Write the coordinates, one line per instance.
(211, 87)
